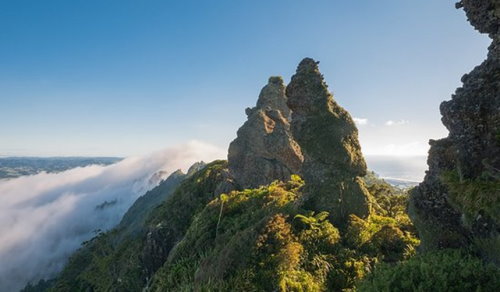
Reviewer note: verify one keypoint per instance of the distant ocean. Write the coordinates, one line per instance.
(394, 168)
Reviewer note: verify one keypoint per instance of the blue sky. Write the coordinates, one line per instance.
(128, 77)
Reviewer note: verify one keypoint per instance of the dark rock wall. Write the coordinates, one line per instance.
(448, 213)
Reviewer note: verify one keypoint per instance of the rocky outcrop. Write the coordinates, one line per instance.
(264, 149)
(328, 137)
(458, 203)
(484, 15)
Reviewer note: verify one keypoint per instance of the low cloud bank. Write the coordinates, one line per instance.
(44, 218)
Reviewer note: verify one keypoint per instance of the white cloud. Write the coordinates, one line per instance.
(44, 218)
(396, 123)
(360, 121)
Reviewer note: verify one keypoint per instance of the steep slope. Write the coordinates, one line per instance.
(458, 203)
(264, 149)
(264, 240)
(134, 220)
(169, 222)
(327, 135)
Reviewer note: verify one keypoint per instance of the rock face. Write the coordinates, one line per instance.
(328, 137)
(458, 203)
(264, 149)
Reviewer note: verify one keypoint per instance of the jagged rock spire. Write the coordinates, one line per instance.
(264, 149)
(328, 137)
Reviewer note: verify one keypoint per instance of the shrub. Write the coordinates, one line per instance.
(446, 270)
(381, 237)
(474, 196)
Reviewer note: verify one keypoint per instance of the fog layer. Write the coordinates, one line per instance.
(44, 218)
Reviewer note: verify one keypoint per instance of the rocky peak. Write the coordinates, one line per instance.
(307, 91)
(328, 137)
(272, 96)
(458, 203)
(264, 149)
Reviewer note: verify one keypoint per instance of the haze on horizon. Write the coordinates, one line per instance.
(120, 78)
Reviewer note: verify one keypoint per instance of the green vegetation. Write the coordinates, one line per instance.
(478, 199)
(479, 196)
(262, 240)
(265, 239)
(42, 285)
(381, 237)
(392, 200)
(252, 221)
(100, 266)
(446, 270)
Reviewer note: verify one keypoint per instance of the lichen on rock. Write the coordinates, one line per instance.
(328, 137)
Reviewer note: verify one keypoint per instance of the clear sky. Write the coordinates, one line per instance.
(127, 77)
